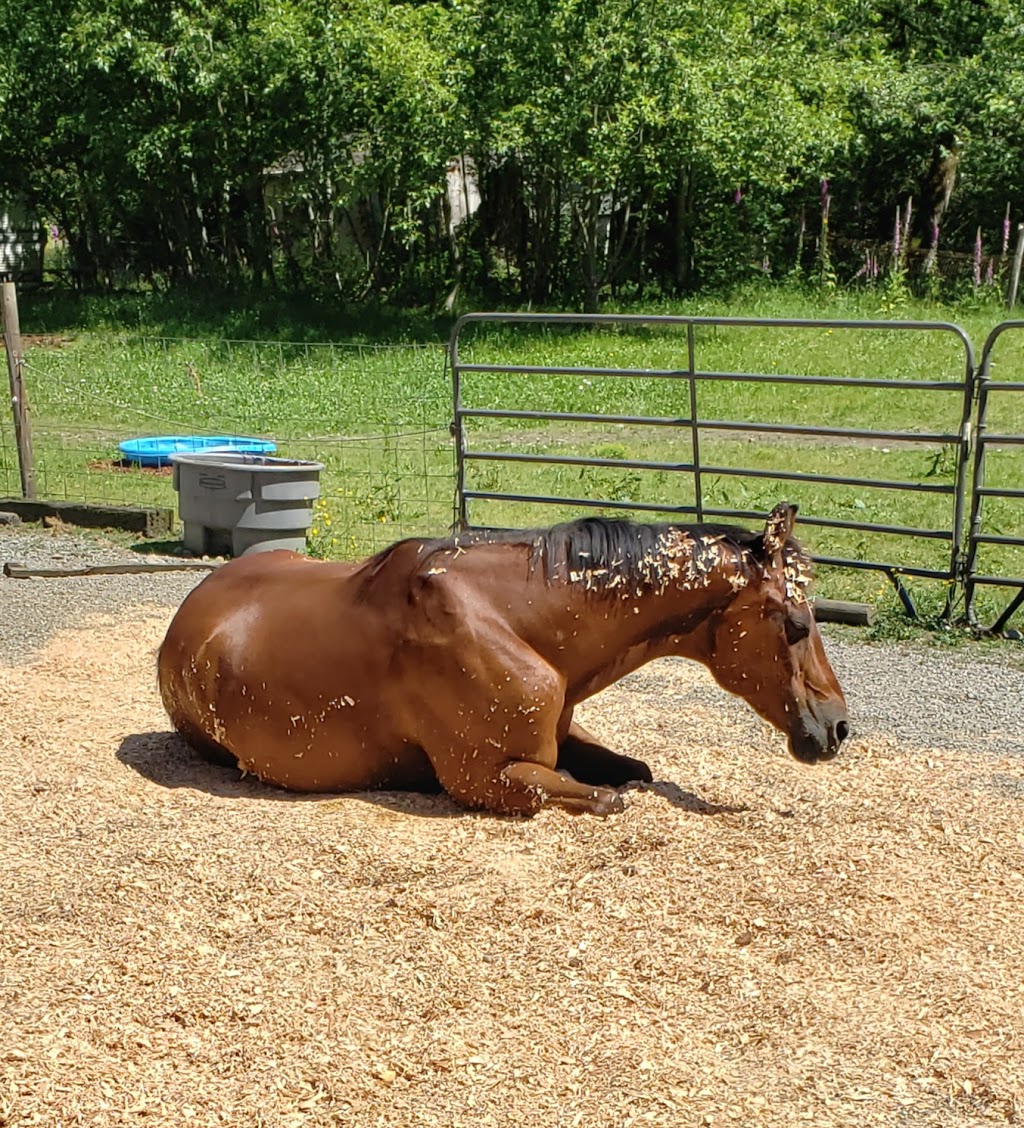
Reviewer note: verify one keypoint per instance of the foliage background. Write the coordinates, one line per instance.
(619, 147)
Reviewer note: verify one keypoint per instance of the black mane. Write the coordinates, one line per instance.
(611, 550)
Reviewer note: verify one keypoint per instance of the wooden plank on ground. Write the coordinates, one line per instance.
(24, 572)
(842, 611)
(150, 521)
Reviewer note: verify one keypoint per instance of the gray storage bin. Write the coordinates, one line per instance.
(231, 504)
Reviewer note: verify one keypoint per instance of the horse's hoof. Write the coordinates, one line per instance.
(608, 802)
(641, 773)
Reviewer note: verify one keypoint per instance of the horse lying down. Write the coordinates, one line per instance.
(460, 661)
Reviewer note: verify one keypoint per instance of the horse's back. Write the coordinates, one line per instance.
(268, 595)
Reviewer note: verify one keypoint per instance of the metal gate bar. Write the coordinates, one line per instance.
(985, 440)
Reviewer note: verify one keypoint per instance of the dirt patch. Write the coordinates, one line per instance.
(752, 941)
(45, 340)
(124, 466)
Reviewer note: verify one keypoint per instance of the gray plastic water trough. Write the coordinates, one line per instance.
(231, 504)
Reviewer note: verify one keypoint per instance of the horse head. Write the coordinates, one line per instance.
(765, 645)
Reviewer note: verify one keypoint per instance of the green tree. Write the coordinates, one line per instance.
(616, 143)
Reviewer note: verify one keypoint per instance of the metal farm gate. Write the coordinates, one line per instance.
(997, 499)
(540, 441)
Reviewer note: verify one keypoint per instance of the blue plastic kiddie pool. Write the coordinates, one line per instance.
(157, 451)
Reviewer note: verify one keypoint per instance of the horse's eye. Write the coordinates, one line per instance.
(796, 629)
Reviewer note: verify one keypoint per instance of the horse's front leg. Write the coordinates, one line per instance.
(504, 757)
(585, 758)
(491, 728)
(482, 777)
(526, 787)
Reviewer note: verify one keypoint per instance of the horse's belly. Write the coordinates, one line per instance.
(332, 745)
(301, 760)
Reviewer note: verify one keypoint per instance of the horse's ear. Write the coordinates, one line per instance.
(778, 528)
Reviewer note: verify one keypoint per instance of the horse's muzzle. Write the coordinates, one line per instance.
(813, 738)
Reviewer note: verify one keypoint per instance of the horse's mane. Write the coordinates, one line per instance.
(626, 548)
(609, 551)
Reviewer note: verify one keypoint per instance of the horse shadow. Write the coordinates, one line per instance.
(165, 759)
(688, 801)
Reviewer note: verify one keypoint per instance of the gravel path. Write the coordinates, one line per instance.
(923, 697)
(32, 611)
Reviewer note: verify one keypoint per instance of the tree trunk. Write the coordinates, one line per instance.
(936, 193)
(683, 233)
(454, 250)
(588, 216)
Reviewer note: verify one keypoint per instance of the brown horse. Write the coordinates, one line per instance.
(460, 661)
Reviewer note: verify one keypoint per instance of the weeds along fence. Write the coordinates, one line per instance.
(378, 418)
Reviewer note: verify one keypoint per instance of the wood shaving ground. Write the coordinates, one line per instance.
(752, 942)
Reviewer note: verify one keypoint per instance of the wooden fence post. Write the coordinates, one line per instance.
(1011, 299)
(19, 400)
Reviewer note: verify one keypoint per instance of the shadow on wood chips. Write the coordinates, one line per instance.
(165, 759)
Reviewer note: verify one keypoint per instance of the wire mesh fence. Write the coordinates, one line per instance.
(376, 417)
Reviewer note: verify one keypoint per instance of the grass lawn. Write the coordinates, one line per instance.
(376, 410)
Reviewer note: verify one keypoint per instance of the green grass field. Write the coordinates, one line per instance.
(377, 415)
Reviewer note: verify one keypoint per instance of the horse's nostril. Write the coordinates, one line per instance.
(842, 731)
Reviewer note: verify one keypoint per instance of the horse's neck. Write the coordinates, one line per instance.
(597, 637)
